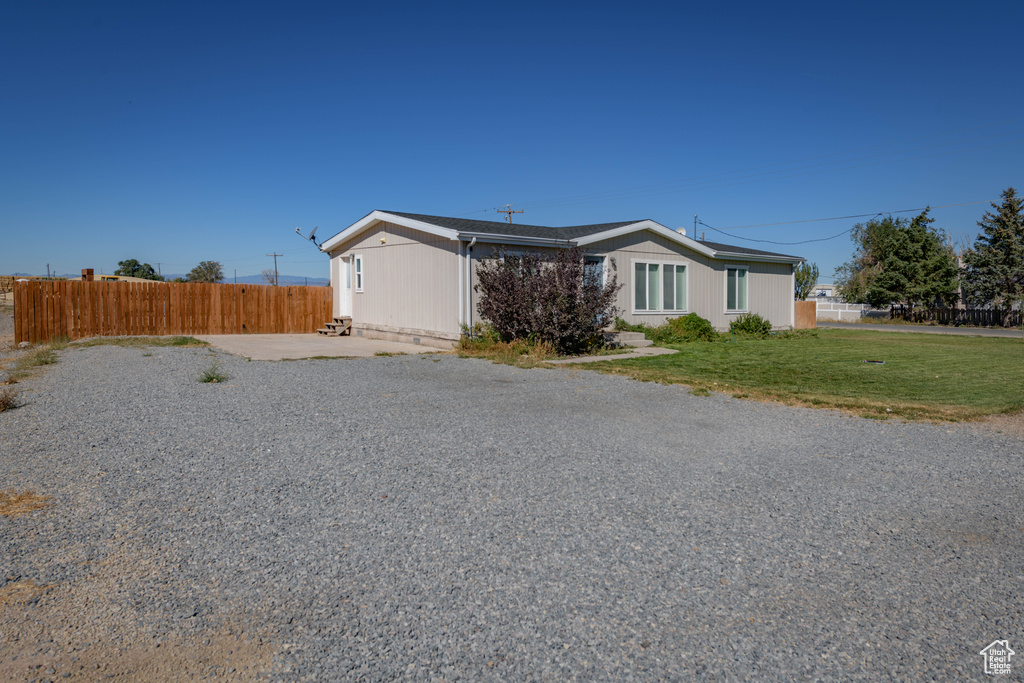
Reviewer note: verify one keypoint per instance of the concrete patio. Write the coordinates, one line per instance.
(295, 346)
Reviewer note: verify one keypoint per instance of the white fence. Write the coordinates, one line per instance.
(836, 311)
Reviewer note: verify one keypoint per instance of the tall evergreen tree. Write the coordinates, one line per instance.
(994, 268)
(918, 267)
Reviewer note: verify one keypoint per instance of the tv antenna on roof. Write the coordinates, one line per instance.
(310, 238)
(508, 211)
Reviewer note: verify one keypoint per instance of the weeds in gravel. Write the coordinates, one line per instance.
(8, 400)
(21, 592)
(388, 354)
(14, 503)
(213, 374)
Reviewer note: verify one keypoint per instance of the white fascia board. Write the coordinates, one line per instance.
(491, 238)
(375, 217)
(658, 228)
(761, 258)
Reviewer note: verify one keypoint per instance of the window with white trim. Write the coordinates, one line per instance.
(358, 258)
(735, 290)
(659, 287)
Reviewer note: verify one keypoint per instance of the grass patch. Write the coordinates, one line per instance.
(924, 376)
(389, 354)
(135, 342)
(213, 374)
(8, 400)
(14, 503)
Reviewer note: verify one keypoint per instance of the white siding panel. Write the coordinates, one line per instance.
(410, 280)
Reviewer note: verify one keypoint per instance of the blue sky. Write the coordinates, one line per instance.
(180, 132)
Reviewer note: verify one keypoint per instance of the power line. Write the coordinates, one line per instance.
(750, 239)
(839, 218)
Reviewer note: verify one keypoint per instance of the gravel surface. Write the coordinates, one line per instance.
(432, 518)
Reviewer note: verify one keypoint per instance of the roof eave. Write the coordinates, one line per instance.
(374, 217)
(492, 238)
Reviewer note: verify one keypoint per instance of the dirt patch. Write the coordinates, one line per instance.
(111, 624)
(1012, 424)
(15, 504)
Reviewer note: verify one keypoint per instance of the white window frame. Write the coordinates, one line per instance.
(746, 282)
(357, 272)
(661, 281)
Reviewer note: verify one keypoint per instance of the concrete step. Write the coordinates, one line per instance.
(634, 339)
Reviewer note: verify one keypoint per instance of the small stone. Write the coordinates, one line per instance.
(24, 345)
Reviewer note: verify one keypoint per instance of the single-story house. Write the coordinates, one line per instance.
(411, 277)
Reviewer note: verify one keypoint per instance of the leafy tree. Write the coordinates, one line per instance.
(853, 278)
(206, 271)
(994, 268)
(806, 276)
(558, 299)
(899, 261)
(918, 267)
(132, 268)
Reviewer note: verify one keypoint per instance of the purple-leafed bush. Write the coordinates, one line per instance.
(556, 298)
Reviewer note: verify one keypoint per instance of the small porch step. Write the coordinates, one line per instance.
(634, 339)
(336, 328)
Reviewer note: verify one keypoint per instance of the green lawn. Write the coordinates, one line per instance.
(923, 376)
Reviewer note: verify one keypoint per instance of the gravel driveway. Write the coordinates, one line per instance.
(431, 518)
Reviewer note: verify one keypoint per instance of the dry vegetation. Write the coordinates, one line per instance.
(14, 503)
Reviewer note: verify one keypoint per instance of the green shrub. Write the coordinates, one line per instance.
(692, 327)
(752, 324)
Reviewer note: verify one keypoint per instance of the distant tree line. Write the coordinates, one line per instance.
(909, 262)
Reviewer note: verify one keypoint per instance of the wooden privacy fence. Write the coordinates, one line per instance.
(46, 310)
(985, 317)
(805, 315)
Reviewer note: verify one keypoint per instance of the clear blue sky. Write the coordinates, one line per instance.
(182, 132)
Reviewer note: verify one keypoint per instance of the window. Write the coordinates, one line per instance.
(593, 269)
(359, 272)
(659, 287)
(735, 289)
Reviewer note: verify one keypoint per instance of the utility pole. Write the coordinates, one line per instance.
(158, 269)
(508, 211)
(236, 276)
(275, 255)
(695, 226)
(47, 270)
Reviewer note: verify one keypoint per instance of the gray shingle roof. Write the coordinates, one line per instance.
(515, 229)
(565, 233)
(718, 246)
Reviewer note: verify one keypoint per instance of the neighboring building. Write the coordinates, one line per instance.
(823, 289)
(411, 276)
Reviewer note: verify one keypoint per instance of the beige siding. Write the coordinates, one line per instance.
(769, 285)
(410, 281)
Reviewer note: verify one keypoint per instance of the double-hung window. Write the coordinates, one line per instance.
(659, 287)
(358, 271)
(735, 290)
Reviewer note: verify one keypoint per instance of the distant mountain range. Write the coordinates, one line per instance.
(282, 280)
